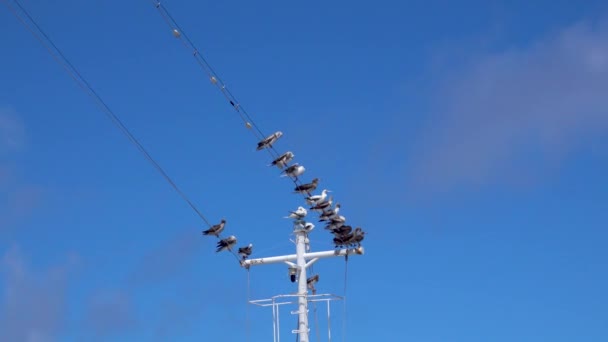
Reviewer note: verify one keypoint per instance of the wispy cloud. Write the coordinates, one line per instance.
(516, 113)
(12, 131)
(33, 306)
(167, 260)
(110, 313)
(21, 198)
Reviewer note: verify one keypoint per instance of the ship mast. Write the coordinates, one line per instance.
(303, 260)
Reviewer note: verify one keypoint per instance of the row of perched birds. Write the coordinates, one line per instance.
(344, 235)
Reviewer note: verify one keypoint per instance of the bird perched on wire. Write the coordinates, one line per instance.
(343, 240)
(336, 222)
(321, 206)
(282, 160)
(308, 187)
(317, 198)
(358, 236)
(329, 213)
(226, 243)
(299, 214)
(294, 170)
(341, 231)
(245, 252)
(215, 229)
(269, 140)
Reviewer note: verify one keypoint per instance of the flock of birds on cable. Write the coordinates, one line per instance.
(344, 235)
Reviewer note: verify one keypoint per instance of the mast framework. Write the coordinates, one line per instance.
(303, 260)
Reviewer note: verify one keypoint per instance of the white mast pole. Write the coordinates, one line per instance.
(303, 260)
(302, 289)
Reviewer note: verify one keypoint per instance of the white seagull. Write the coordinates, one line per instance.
(294, 170)
(321, 206)
(282, 160)
(306, 226)
(269, 140)
(317, 198)
(329, 213)
(245, 252)
(299, 214)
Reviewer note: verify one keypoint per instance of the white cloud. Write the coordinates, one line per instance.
(518, 111)
(12, 131)
(33, 304)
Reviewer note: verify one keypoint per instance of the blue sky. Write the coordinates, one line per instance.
(468, 139)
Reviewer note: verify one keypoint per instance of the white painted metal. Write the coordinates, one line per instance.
(294, 257)
(303, 260)
(302, 289)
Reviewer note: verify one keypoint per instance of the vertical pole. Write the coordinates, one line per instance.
(278, 324)
(302, 289)
(328, 324)
(274, 322)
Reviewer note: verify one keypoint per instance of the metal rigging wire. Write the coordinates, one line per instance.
(62, 60)
(179, 33)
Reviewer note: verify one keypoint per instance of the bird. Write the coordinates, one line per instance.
(329, 213)
(294, 170)
(245, 252)
(323, 205)
(342, 240)
(215, 229)
(342, 230)
(226, 243)
(311, 281)
(282, 160)
(358, 236)
(269, 140)
(308, 187)
(306, 226)
(299, 214)
(336, 222)
(317, 198)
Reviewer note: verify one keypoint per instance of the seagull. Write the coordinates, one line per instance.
(245, 252)
(323, 205)
(306, 226)
(317, 198)
(307, 188)
(282, 160)
(215, 229)
(358, 236)
(328, 214)
(294, 170)
(299, 214)
(226, 243)
(269, 140)
(310, 283)
(343, 240)
(342, 230)
(336, 222)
